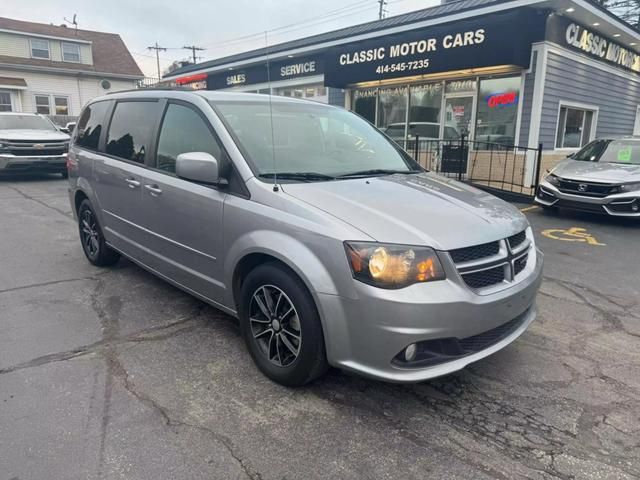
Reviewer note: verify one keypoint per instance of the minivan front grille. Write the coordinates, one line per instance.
(476, 252)
(485, 278)
(488, 265)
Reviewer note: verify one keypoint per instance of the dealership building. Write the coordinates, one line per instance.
(516, 72)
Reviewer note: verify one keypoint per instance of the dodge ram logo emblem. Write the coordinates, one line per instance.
(582, 187)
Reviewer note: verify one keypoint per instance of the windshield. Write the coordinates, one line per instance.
(309, 138)
(625, 151)
(22, 122)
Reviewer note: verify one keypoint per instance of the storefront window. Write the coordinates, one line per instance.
(424, 110)
(364, 103)
(392, 110)
(498, 110)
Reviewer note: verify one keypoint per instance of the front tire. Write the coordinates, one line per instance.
(92, 238)
(281, 326)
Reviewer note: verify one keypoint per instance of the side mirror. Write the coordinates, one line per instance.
(64, 130)
(197, 166)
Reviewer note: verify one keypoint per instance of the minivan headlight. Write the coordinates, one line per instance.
(630, 187)
(393, 266)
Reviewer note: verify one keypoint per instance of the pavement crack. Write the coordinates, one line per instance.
(40, 202)
(173, 423)
(162, 332)
(52, 282)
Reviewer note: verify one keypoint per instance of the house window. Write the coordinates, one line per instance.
(62, 105)
(5, 102)
(42, 104)
(71, 52)
(39, 48)
(575, 127)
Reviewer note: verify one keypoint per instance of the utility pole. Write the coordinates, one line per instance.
(193, 49)
(157, 48)
(382, 11)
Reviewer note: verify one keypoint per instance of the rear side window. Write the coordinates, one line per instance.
(184, 130)
(91, 124)
(130, 131)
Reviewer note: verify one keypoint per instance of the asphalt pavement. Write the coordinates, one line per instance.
(114, 374)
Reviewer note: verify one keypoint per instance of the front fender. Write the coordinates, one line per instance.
(289, 250)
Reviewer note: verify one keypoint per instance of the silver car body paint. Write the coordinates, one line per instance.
(305, 225)
(597, 173)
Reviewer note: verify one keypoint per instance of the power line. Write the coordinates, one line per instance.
(157, 48)
(193, 49)
(344, 11)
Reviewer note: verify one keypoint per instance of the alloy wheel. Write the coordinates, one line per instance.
(275, 325)
(90, 233)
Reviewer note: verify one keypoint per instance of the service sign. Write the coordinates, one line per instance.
(500, 39)
(278, 71)
(586, 40)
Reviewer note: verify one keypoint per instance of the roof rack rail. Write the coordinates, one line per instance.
(161, 88)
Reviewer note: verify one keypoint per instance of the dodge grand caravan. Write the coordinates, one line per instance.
(328, 242)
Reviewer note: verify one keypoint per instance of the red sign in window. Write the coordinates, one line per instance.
(502, 99)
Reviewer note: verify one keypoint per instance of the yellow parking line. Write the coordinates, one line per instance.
(528, 209)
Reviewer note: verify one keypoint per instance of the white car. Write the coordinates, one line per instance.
(31, 142)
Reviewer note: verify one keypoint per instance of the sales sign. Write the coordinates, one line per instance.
(279, 70)
(492, 40)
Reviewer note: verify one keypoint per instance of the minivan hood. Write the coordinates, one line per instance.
(33, 134)
(416, 209)
(597, 172)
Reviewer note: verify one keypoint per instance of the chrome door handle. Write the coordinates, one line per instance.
(154, 190)
(133, 183)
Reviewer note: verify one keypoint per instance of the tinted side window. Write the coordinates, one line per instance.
(184, 130)
(130, 130)
(91, 124)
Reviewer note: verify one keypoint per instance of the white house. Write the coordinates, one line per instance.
(55, 70)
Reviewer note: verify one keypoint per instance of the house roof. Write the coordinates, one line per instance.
(110, 54)
(343, 34)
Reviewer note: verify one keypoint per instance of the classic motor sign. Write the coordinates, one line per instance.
(499, 39)
(568, 33)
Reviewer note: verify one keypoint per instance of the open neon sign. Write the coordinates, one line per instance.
(502, 99)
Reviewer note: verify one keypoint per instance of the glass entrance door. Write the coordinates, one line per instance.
(458, 117)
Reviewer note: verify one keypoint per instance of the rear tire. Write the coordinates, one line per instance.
(92, 238)
(281, 326)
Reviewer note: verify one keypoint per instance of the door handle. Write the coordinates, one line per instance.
(154, 190)
(133, 183)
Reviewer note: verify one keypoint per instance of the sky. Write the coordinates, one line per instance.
(222, 27)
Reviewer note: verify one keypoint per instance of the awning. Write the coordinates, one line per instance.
(12, 83)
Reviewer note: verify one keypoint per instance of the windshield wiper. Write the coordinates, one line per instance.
(302, 176)
(376, 171)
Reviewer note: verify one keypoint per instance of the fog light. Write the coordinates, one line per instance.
(410, 352)
(635, 207)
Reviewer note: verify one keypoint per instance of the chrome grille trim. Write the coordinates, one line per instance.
(511, 252)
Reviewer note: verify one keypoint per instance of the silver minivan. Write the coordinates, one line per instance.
(326, 240)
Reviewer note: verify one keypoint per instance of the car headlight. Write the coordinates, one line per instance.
(393, 266)
(630, 187)
(552, 179)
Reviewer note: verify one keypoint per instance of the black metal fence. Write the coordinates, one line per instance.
(501, 168)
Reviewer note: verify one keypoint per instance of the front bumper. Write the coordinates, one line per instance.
(42, 163)
(365, 335)
(618, 205)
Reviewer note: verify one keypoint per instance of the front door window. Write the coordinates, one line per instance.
(458, 117)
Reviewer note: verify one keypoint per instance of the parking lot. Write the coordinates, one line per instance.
(115, 374)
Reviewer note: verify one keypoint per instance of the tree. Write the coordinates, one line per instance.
(175, 66)
(628, 10)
